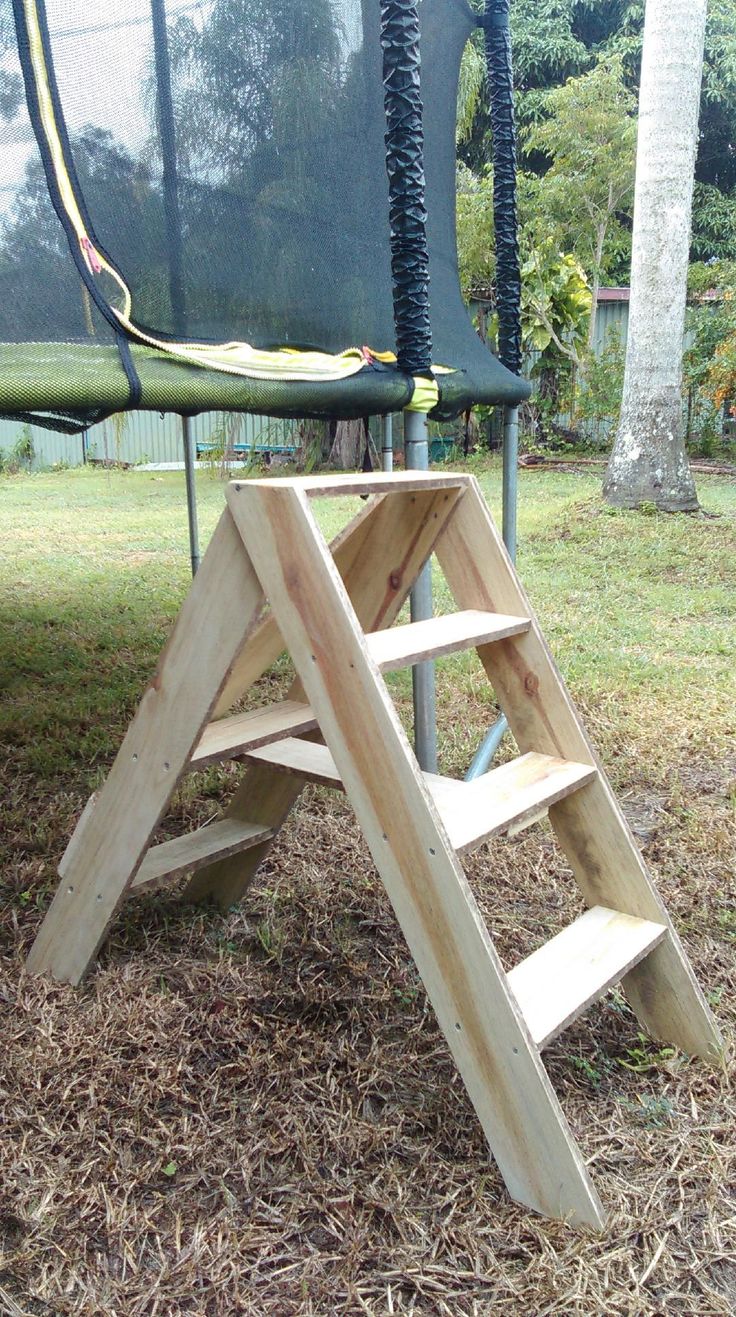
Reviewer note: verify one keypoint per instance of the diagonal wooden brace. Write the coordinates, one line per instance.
(378, 556)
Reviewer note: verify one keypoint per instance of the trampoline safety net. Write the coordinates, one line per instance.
(177, 176)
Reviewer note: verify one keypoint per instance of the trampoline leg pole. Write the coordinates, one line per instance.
(387, 446)
(484, 754)
(416, 458)
(510, 478)
(189, 469)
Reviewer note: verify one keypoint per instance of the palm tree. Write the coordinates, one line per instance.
(648, 462)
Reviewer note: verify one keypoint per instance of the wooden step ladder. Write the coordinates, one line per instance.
(269, 582)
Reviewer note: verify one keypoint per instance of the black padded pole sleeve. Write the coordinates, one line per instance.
(405, 168)
(508, 278)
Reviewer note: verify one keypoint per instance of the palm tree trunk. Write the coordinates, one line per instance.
(648, 462)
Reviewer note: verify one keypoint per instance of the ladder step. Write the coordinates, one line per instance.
(558, 982)
(396, 647)
(504, 800)
(399, 646)
(182, 854)
(374, 482)
(305, 759)
(229, 737)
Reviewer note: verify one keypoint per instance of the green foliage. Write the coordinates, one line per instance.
(21, 456)
(720, 379)
(470, 87)
(645, 1055)
(475, 234)
(716, 165)
(714, 223)
(23, 449)
(555, 302)
(709, 364)
(706, 277)
(589, 136)
(546, 50)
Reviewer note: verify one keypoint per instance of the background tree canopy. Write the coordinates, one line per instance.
(555, 40)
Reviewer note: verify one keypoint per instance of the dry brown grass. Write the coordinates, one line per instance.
(257, 1114)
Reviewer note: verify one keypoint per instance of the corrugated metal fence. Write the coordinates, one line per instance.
(137, 437)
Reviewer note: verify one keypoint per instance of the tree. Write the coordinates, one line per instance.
(555, 312)
(589, 134)
(558, 39)
(648, 462)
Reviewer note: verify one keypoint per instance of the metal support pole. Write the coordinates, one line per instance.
(416, 458)
(387, 445)
(189, 469)
(510, 478)
(489, 745)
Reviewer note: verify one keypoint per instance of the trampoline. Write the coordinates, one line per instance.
(240, 205)
(249, 205)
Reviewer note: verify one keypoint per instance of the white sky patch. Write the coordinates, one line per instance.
(104, 69)
(103, 56)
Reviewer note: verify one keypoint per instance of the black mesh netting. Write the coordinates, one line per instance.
(230, 159)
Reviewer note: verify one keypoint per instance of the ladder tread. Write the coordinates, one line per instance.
(506, 799)
(559, 981)
(375, 482)
(213, 842)
(395, 647)
(305, 759)
(399, 646)
(227, 738)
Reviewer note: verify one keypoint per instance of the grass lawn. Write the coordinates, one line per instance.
(256, 1114)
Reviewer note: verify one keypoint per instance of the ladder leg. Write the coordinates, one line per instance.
(265, 796)
(114, 833)
(500, 1064)
(378, 557)
(589, 824)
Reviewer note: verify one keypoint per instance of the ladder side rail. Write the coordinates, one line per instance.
(590, 825)
(113, 835)
(485, 1030)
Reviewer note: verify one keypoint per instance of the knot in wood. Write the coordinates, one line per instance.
(531, 683)
(394, 580)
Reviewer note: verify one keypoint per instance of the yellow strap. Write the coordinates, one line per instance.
(425, 397)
